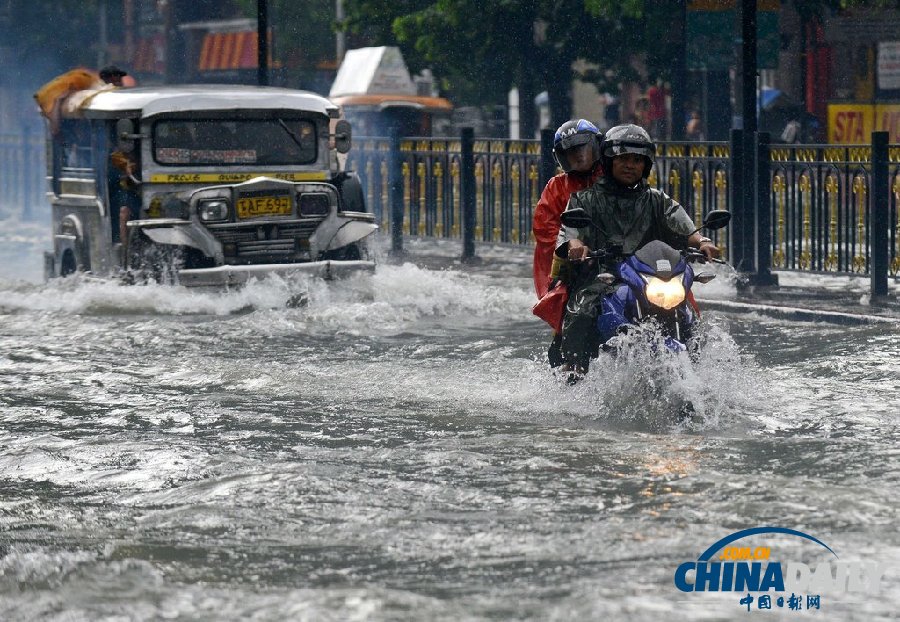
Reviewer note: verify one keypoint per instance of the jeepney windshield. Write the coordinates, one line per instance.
(234, 142)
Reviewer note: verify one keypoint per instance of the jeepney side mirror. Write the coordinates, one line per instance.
(342, 136)
(125, 135)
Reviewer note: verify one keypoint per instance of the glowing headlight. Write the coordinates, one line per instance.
(664, 294)
(216, 209)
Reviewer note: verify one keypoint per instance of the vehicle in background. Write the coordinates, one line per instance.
(215, 183)
(377, 95)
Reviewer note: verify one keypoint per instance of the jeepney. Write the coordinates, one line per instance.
(203, 185)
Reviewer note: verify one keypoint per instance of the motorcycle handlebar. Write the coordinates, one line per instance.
(694, 254)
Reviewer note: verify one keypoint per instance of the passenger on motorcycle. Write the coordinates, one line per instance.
(627, 213)
(576, 149)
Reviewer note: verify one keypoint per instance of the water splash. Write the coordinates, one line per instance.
(646, 387)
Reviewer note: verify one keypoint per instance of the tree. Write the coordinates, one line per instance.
(480, 50)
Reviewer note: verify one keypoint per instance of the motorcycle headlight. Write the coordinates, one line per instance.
(214, 209)
(664, 294)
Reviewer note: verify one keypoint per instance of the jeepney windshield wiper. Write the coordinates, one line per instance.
(290, 133)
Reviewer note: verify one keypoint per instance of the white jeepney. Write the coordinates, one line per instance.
(203, 185)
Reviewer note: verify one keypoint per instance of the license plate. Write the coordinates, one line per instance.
(254, 207)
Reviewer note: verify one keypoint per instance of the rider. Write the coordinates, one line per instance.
(576, 149)
(627, 213)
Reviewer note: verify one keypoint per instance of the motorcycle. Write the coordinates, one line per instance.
(649, 299)
(653, 284)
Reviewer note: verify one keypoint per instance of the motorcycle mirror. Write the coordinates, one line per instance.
(717, 219)
(576, 218)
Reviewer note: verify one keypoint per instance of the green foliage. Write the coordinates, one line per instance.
(481, 49)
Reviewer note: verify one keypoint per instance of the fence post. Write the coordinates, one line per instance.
(467, 190)
(25, 177)
(548, 162)
(736, 189)
(764, 274)
(878, 228)
(395, 182)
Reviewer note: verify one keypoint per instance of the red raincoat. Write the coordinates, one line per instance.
(545, 223)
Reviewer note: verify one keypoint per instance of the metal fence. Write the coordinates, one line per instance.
(697, 175)
(23, 174)
(819, 198)
(507, 186)
(822, 202)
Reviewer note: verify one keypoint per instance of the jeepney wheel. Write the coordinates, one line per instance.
(67, 264)
(148, 262)
(350, 188)
(351, 252)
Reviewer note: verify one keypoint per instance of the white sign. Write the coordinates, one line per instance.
(888, 68)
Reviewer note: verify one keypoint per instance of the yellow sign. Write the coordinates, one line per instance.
(232, 178)
(253, 207)
(887, 119)
(854, 123)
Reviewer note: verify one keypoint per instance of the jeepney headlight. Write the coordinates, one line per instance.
(314, 204)
(664, 294)
(214, 209)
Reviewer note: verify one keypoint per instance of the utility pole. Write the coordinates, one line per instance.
(128, 18)
(103, 44)
(340, 36)
(262, 41)
(749, 68)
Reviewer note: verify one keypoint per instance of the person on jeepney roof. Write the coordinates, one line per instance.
(627, 213)
(576, 149)
(51, 95)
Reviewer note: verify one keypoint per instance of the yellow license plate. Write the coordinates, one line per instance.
(253, 207)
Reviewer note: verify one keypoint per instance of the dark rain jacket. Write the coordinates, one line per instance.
(627, 217)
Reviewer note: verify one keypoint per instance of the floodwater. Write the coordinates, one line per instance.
(397, 450)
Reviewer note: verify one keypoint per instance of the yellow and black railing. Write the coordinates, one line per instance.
(819, 208)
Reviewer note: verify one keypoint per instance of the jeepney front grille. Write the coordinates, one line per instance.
(266, 241)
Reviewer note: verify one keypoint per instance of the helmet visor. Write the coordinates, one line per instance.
(643, 149)
(574, 141)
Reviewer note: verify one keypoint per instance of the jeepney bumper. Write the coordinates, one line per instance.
(237, 275)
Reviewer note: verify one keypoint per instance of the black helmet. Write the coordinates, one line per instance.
(573, 134)
(628, 139)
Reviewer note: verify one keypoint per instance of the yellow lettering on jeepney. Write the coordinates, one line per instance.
(196, 178)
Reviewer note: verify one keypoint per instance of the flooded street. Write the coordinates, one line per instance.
(397, 449)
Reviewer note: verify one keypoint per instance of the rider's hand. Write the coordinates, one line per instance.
(709, 249)
(578, 251)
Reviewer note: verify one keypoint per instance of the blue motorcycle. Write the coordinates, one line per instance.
(654, 284)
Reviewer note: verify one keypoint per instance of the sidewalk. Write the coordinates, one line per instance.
(815, 297)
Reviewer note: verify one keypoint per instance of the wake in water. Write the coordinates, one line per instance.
(646, 387)
(390, 297)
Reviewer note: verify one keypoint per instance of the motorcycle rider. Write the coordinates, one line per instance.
(627, 213)
(576, 149)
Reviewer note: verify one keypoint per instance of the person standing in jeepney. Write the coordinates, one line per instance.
(627, 213)
(576, 149)
(124, 192)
